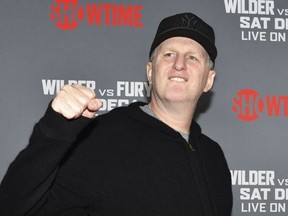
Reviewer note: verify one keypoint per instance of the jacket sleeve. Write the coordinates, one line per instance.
(26, 184)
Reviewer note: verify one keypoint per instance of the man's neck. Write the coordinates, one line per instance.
(176, 115)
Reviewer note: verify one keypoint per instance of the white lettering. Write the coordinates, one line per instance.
(254, 22)
(254, 194)
(110, 104)
(52, 86)
(281, 194)
(253, 207)
(252, 177)
(261, 7)
(132, 89)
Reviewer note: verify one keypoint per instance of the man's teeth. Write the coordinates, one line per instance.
(178, 79)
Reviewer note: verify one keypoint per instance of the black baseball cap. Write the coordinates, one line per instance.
(186, 25)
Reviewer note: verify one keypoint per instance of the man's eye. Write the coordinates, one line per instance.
(169, 54)
(192, 57)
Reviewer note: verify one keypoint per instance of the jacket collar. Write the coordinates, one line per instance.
(134, 111)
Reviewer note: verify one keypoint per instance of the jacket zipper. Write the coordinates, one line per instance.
(199, 179)
(192, 147)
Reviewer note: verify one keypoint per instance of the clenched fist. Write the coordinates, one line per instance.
(73, 101)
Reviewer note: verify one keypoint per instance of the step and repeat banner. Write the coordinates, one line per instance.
(104, 45)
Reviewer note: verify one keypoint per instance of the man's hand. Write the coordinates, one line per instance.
(73, 101)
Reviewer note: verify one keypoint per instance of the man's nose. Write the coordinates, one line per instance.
(180, 63)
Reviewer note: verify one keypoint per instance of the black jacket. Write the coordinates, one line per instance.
(121, 163)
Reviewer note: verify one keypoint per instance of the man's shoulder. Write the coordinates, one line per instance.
(209, 143)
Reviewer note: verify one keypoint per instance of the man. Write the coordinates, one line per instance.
(144, 159)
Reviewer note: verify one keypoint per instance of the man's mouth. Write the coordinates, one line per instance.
(178, 79)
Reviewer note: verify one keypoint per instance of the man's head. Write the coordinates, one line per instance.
(182, 56)
(186, 25)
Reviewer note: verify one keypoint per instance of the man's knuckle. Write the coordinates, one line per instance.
(66, 87)
(78, 110)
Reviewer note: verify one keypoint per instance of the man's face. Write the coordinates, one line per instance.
(179, 71)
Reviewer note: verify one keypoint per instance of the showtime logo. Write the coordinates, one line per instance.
(67, 14)
(248, 104)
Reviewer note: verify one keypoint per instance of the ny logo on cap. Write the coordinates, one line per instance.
(188, 22)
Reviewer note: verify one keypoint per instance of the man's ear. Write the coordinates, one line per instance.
(210, 80)
(149, 72)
